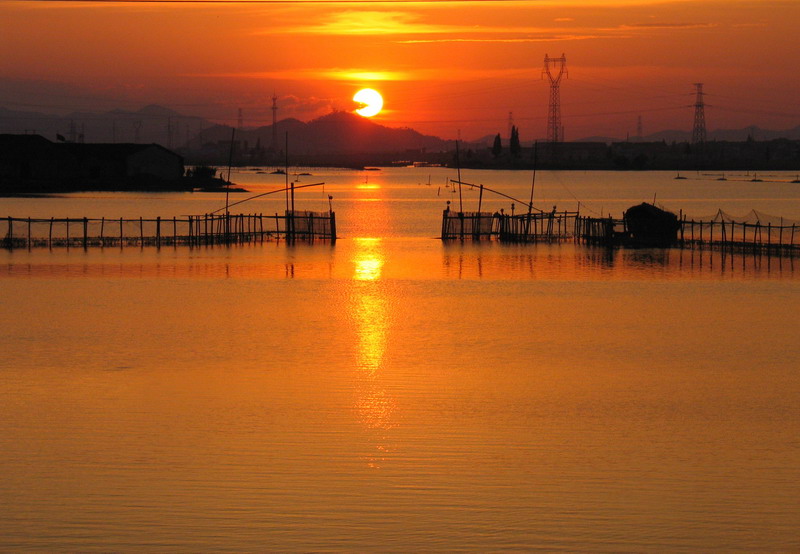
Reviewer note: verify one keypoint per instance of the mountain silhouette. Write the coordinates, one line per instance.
(337, 132)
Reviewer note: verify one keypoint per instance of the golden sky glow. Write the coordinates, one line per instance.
(443, 66)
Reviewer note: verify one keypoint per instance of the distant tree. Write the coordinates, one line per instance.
(497, 147)
(513, 145)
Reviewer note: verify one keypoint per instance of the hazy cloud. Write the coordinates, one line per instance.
(668, 26)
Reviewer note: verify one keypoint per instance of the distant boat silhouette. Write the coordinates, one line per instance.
(755, 178)
(723, 178)
(679, 176)
(797, 180)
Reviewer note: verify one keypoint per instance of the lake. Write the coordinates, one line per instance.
(394, 393)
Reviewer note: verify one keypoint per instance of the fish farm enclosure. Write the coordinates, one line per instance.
(204, 229)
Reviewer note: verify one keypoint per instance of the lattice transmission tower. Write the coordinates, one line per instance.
(699, 129)
(555, 132)
(274, 121)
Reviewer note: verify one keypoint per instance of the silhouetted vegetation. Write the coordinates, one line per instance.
(497, 147)
(514, 145)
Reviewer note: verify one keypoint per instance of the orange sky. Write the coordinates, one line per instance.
(442, 66)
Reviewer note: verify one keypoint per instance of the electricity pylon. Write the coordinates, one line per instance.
(555, 132)
(274, 122)
(699, 129)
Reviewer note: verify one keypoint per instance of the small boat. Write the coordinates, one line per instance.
(679, 176)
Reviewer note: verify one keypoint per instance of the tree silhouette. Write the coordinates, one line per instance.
(497, 147)
(514, 146)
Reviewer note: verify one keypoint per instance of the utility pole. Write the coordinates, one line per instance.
(555, 132)
(699, 129)
(274, 122)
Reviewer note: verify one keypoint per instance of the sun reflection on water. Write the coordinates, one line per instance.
(368, 259)
(370, 313)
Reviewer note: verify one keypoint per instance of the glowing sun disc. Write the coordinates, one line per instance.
(371, 102)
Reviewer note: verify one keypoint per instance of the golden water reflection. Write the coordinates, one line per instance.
(368, 259)
(370, 313)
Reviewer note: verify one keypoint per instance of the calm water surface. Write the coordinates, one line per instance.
(394, 393)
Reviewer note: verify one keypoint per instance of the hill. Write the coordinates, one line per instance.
(337, 132)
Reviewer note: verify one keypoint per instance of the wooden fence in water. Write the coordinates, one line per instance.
(559, 226)
(718, 234)
(534, 227)
(192, 230)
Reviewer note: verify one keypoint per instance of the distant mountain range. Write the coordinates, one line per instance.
(337, 132)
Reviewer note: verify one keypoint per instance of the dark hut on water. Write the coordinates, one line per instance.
(649, 225)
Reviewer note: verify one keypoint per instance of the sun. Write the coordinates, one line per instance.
(370, 100)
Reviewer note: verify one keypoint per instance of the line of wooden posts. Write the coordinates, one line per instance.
(192, 230)
(547, 226)
(560, 226)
